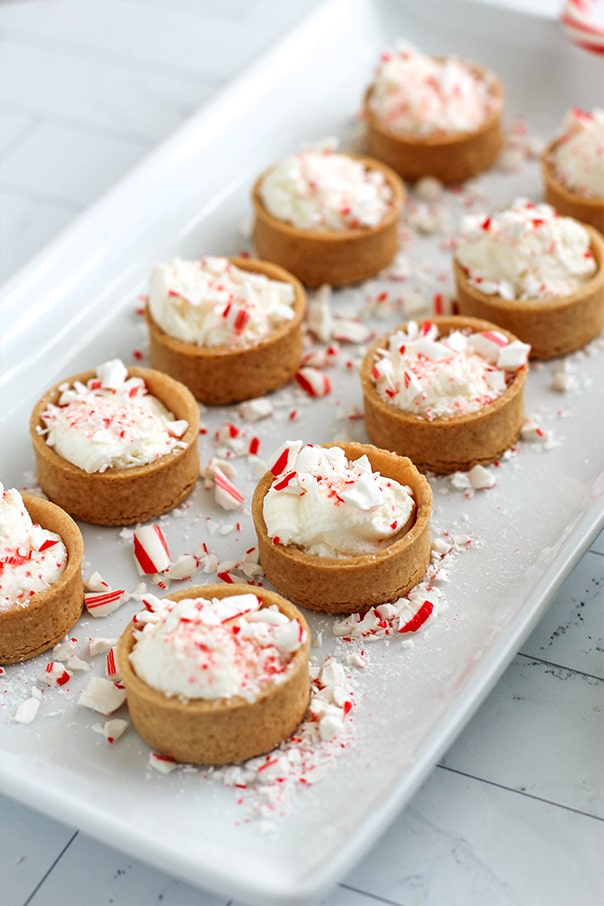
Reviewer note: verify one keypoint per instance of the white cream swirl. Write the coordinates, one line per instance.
(329, 506)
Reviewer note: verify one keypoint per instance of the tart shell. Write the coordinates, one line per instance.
(337, 258)
(121, 496)
(553, 327)
(226, 730)
(220, 375)
(588, 210)
(445, 445)
(351, 584)
(450, 157)
(49, 614)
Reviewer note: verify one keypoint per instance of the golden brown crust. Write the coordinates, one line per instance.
(447, 444)
(121, 496)
(28, 631)
(337, 258)
(351, 584)
(450, 157)
(554, 326)
(221, 375)
(570, 204)
(226, 730)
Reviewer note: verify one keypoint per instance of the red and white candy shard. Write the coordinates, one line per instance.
(578, 18)
(163, 764)
(312, 381)
(113, 729)
(111, 668)
(226, 494)
(151, 553)
(102, 695)
(184, 567)
(481, 478)
(54, 674)
(102, 603)
(98, 645)
(285, 457)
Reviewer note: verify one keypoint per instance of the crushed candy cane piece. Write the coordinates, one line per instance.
(226, 494)
(54, 674)
(111, 668)
(481, 478)
(76, 663)
(98, 645)
(102, 603)
(531, 432)
(113, 729)
(102, 695)
(256, 409)
(64, 650)
(184, 567)
(27, 711)
(312, 381)
(95, 582)
(163, 764)
(151, 553)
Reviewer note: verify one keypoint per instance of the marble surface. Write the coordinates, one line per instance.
(514, 813)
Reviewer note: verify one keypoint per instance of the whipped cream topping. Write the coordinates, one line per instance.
(31, 557)
(213, 648)
(422, 95)
(578, 158)
(111, 422)
(329, 506)
(525, 252)
(214, 303)
(433, 377)
(325, 190)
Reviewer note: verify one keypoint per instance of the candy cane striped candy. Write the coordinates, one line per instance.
(55, 674)
(226, 494)
(313, 382)
(113, 729)
(285, 457)
(102, 603)
(163, 764)
(151, 553)
(111, 669)
(578, 21)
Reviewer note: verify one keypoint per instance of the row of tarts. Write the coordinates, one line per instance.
(226, 729)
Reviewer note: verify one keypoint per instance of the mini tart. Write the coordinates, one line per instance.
(220, 375)
(334, 257)
(352, 584)
(26, 631)
(586, 209)
(452, 444)
(121, 496)
(553, 326)
(451, 157)
(225, 730)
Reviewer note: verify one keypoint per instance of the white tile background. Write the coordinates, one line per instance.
(514, 814)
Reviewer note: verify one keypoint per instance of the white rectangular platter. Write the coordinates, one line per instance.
(75, 306)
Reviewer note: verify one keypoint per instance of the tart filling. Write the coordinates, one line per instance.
(230, 329)
(325, 190)
(573, 168)
(212, 302)
(116, 446)
(419, 371)
(578, 157)
(417, 94)
(448, 393)
(433, 116)
(31, 557)
(342, 527)
(216, 675)
(527, 251)
(329, 506)
(110, 421)
(327, 217)
(534, 273)
(41, 586)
